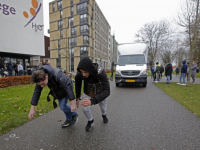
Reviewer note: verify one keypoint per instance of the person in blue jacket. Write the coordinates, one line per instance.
(183, 72)
(60, 88)
(10, 68)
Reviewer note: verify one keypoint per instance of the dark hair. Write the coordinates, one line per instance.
(157, 63)
(38, 75)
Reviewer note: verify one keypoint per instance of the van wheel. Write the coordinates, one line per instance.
(117, 84)
(144, 85)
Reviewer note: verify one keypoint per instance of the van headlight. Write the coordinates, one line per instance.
(144, 72)
(117, 72)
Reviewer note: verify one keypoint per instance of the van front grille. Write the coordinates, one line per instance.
(130, 72)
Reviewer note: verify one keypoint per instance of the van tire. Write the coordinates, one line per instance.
(117, 84)
(144, 85)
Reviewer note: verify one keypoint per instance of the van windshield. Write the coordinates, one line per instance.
(131, 59)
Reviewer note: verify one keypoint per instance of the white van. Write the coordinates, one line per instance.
(132, 64)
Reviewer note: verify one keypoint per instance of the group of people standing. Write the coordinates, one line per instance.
(96, 90)
(18, 68)
(158, 70)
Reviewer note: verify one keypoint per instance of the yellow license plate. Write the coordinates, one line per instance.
(130, 80)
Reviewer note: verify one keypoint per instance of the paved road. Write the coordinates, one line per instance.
(139, 119)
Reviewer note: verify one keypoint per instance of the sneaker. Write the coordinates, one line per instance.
(156, 81)
(74, 119)
(72, 122)
(167, 83)
(105, 119)
(89, 125)
(183, 84)
(65, 124)
(178, 83)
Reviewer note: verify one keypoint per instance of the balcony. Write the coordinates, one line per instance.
(85, 42)
(83, 20)
(84, 9)
(85, 31)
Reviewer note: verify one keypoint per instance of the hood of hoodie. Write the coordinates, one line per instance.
(184, 62)
(86, 64)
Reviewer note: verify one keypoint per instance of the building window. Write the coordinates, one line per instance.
(59, 53)
(71, 21)
(61, 14)
(61, 33)
(84, 29)
(82, 7)
(58, 43)
(72, 41)
(85, 40)
(72, 2)
(48, 48)
(60, 24)
(84, 51)
(72, 10)
(60, 5)
(53, 7)
(83, 18)
(71, 52)
(58, 63)
(73, 31)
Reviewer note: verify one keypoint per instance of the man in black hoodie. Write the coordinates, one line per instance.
(96, 89)
(60, 87)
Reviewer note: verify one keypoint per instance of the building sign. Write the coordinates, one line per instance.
(21, 27)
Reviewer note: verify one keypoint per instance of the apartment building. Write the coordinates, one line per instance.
(78, 29)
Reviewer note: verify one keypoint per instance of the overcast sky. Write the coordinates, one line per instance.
(128, 16)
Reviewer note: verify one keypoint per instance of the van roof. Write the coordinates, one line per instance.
(132, 48)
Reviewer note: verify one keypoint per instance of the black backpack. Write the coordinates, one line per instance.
(197, 70)
(56, 70)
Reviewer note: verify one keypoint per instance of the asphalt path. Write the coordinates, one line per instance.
(139, 119)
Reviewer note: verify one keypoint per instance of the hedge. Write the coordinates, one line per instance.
(14, 80)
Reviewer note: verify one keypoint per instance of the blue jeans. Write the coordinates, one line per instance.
(66, 109)
(182, 75)
(168, 78)
(10, 72)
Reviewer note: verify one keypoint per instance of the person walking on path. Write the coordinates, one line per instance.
(96, 89)
(168, 72)
(16, 69)
(29, 69)
(177, 71)
(60, 88)
(161, 71)
(183, 72)
(152, 71)
(157, 71)
(194, 71)
(20, 69)
(9, 68)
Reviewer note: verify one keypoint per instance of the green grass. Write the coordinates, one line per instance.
(186, 96)
(15, 106)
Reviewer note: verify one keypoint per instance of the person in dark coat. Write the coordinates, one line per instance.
(9, 68)
(96, 89)
(183, 72)
(177, 71)
(168, 72)
(15, 68)
(29, 69)
(161, 71)
(60, 88)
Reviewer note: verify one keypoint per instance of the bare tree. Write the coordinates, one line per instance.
(155, 34)
(168, 52)
(189, 20)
